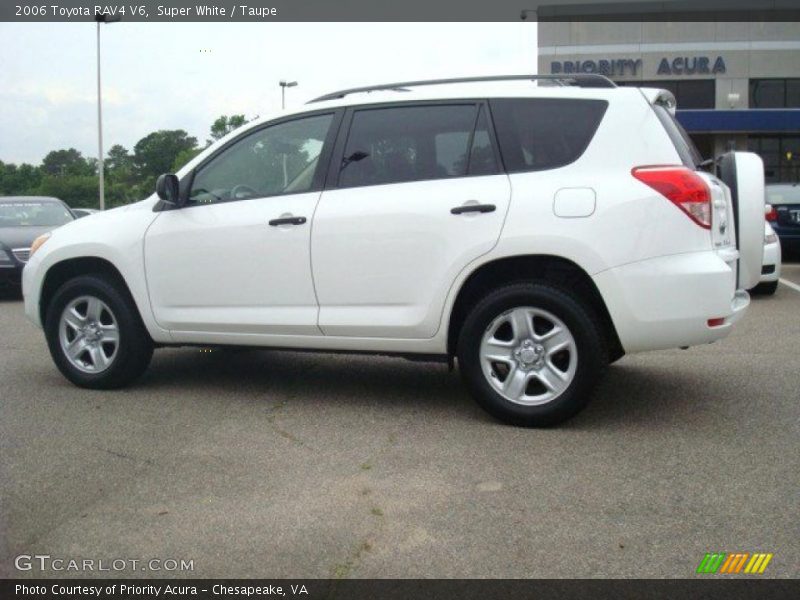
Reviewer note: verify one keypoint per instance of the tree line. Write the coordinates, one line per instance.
(129, 176)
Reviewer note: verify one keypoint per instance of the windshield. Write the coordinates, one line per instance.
(33, 214)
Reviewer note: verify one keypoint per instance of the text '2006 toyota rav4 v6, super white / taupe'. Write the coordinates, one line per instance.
(534, 228)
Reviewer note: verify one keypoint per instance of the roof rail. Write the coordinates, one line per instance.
(587, 80)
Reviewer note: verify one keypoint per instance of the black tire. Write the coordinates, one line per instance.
(767, 288)
(135, 347)
(583, 324)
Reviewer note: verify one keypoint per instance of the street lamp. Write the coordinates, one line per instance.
(284, 84)
(100, 168)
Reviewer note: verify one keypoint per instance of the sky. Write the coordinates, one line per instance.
(183, 76)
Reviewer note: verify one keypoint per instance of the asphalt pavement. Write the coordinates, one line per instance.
(279, 464)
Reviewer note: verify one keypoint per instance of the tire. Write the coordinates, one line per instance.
(488, 330)
(97, 306)
(767, 288)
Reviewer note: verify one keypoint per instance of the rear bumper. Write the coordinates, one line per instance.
(666, 302)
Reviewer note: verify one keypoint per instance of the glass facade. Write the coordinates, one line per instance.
(690, 93)
(775, 93)
(781, 155)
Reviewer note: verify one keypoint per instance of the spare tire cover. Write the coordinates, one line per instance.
(743, 173)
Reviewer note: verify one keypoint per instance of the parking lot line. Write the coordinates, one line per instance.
(794, 286)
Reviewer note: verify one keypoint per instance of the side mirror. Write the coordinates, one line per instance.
(168, 188)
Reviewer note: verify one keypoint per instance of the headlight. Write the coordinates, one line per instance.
(37, 243)
(4, 257)
(770, 238)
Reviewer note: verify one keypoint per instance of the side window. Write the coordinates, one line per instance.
(279, 159)
(482, 159)
(411, 143)
(536, 134)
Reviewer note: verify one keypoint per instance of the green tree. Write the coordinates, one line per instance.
(223, 125)
(75, 190)
(156, 153)
(66, 162)
(184, 157)
(119, 161)
(19, 180)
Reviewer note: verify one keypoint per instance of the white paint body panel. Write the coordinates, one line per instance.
(572, 203)
(223, 268)
(379, 269)
(772, 256)
(385, 256)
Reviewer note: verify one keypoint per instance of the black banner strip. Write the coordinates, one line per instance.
(712, 587)
(264, 11)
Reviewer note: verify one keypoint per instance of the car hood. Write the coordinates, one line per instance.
(21, 237)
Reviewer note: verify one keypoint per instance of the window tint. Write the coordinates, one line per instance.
(541, 133)
(280, 159)
(412, 143)
(684, 145)
(482, 159)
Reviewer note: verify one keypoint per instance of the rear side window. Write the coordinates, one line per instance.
(536, 134)
(690, 155)
(413, 143)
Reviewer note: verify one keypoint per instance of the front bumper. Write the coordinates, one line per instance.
(771, 270)
(11, 277)
(666, 302)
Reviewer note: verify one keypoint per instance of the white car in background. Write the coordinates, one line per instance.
(771, 265)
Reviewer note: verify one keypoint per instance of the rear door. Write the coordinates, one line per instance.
(414, 194)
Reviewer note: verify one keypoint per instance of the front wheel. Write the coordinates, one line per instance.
(95, 334)
(531, 354)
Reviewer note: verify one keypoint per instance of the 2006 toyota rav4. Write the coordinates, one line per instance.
(534, 228)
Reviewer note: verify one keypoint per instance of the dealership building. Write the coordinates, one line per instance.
(737, 84)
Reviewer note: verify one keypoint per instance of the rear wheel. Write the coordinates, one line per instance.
(95, 334)
(531, 354)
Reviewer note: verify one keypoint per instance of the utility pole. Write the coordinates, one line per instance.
(284, 84)
(100, 166)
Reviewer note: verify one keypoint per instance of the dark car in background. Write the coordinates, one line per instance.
(22, 220)
(785, 214)
(83, 212)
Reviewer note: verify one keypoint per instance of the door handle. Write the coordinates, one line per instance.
(468, 208)
(288, 221)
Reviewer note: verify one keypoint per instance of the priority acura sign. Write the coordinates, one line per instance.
(631, 67)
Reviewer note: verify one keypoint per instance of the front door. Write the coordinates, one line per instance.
(235, 259)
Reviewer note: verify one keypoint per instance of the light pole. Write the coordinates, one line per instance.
(100, 167)
(284, 84)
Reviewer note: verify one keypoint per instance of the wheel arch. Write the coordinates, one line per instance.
(69, 268)
(557, 270)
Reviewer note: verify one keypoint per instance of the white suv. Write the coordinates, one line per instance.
(534, 228)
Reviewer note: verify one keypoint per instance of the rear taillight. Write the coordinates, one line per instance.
(771, 213)
(683, 187)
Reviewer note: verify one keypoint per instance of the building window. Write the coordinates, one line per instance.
(775, 93)
(781, 156)
(690, 93)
